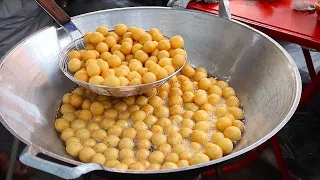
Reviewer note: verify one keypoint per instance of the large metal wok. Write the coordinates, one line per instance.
(261, 71)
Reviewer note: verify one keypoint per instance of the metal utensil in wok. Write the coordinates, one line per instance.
(259, 69)
(78, 43)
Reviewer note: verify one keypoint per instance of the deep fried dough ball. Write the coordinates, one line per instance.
(201, 115)
(226, 145)
(222, 123)
(199, 136)
(103, 30)
(126, 153)
(145, 38)
(100, 147)
(136, 48)
(156, 157)
(85, 115)
(115, 130)
(111, 153)
(113, 61)
(148, 109)
(74, 54)
(61, 124)
(98, 80)
(111, 41)
(149, 77)
(164, 45)
(233, 133)
(141, 56)
(213, 151)
(75, 100)
(88, 55)
(128, 161)
(96, 37)
(216, 136)
(99, 134)
(111, 81)
(169, 165)
(202, 125)
(72, 139)
(143, 144)
(138, 115)
(154, 167)
(66, 133)
(176, 110)
(137, 33)
(238, 124)
(227, 92)
(174, 138)
(199, 158)
(156, 129)
(176, 42)
(102, 47)
(126, 48)
(178, 148)
(97, 108)
(236, 112)
(222, 84)
(233, 101)
(98, 158)
(111, 163)
(158, 139)
(161, 111)
(82, 133)
(188, 71)
(78, 124)
(221, 111)
(149, 47)
(178, 51)
(129, 132)
(163, 54)
(144, 134)
(73, 148)
(126, 143)
(89, 142)
(137, 166)
(120, 29)
(74, 65)
(121, 166)
(142, 154)
(86, 154)
(173, 157)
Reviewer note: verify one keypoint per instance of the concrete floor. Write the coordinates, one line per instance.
(299, 138)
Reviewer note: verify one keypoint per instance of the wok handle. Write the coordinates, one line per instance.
(29, 158)
(224, 9)
(54, 11)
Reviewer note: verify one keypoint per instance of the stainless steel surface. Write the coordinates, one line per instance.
(224, 9)
(28, 156)
(263, 74)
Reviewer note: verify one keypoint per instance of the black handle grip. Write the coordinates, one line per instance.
(54, 11)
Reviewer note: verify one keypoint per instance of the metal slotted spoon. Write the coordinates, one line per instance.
(78, 43)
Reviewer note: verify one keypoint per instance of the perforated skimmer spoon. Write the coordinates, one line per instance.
(78, 43)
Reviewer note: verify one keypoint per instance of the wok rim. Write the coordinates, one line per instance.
(296, 99)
